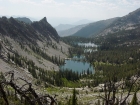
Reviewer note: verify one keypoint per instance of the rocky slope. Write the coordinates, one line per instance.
(21, 43)
(127, 22)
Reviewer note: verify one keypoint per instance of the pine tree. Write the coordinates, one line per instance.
(0, 48)
(74, 98)
(134, 100)
(8, 56)
(1, 76)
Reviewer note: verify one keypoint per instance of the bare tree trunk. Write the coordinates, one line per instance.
(28, 93)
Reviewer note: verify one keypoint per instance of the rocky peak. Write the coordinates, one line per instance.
(43, 22)
(45, 29)
(4, 17)
(11, 19)
(44, 19)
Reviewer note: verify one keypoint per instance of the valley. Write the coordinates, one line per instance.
(98, 65)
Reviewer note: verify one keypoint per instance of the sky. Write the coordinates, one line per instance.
(68, 11)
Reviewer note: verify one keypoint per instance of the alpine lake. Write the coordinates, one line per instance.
(78, 63)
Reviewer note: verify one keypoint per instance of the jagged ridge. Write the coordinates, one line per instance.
(26, 32)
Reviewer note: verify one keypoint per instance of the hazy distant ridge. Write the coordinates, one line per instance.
(64, 27)
(71, 30)
(94, 28)
(24, 19)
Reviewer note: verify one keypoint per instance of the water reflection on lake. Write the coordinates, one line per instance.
(89, 47)
(87, 44)
(90, 50)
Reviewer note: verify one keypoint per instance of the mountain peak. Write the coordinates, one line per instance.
(4, 17)
(11, 18)
(44, 27)
(44, 19)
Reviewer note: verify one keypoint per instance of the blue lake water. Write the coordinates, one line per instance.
(77, 66)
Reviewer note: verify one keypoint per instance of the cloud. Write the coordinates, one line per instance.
(19, 1)
(48, 1)
(129, 2)
(53, 2)
(136, 2)
(1, 8)
(90, 9)
(36, 2)
(24, 1)
(104, 4)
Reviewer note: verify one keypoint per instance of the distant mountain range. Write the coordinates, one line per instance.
(110, 26)
(83, 21)
(24, 19)
(127, 22)
(94, 28)
(62, 27)
(71, 31)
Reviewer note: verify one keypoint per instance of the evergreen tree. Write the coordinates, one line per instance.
(1, 76)
(134, 100)
(0, 48)
(74, 98)
(8, 56)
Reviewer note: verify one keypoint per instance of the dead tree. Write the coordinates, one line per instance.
(111, 90)
(25, 91)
